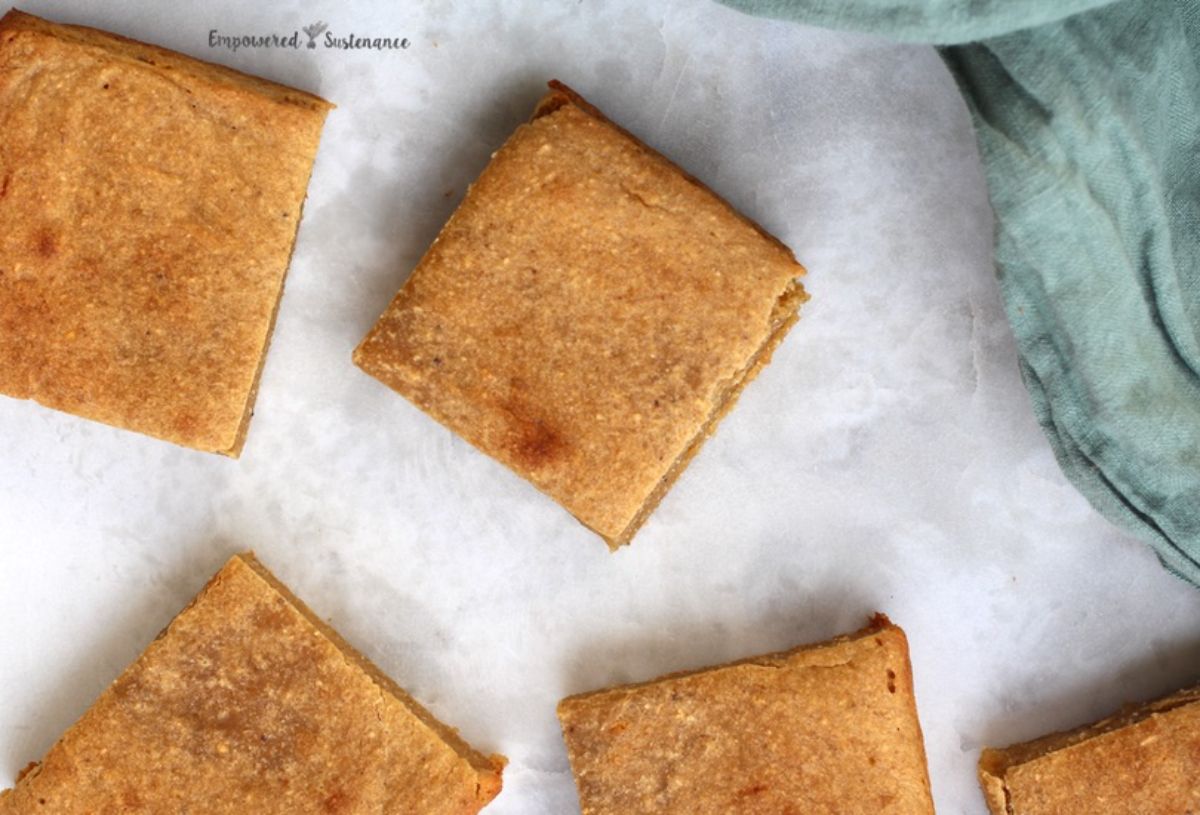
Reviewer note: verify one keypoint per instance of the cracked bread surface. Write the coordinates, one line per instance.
(586, 315)
(827, 728)
(1141, 761)
(247, 702)
(149, 203)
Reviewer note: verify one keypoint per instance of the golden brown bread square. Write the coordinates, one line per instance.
(828, 729)
(1145, 760)
(248, 703)
(148, 207)
(587, 315)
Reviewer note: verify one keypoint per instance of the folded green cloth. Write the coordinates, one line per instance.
(932, 21)
(1089, 127)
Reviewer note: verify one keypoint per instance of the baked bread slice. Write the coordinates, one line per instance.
(587, 315)
(248, 703)
(148, 207)
(828, 728)
(1145, 760)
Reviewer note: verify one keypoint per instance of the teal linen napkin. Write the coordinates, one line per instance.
(932, 21)
(1089, 128)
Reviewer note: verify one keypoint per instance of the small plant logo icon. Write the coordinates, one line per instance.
(313, 31)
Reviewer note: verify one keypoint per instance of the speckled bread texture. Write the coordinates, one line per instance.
(827, 729)
(148, 207)
(1145, 760)
(587, 315)
(247, 703)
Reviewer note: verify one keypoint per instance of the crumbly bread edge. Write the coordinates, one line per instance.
(239, 441)
(786, 315)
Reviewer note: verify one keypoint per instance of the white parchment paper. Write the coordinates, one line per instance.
(886, 460)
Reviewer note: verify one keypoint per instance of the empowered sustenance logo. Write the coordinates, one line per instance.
(316, 35)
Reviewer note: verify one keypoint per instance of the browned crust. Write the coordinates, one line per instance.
(561, 94)
(995, 763)
(786, 317)
(110, 371)
(681, 732)
(878, 622)
(541, 431)
(489, 767)
(252, 396)
(125, 48)
(414, 746)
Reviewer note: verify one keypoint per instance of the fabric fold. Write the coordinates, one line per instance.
(940, 22)
(1089, 130)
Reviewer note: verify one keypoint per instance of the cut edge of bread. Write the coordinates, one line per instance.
(783, 316)
(234, 450)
